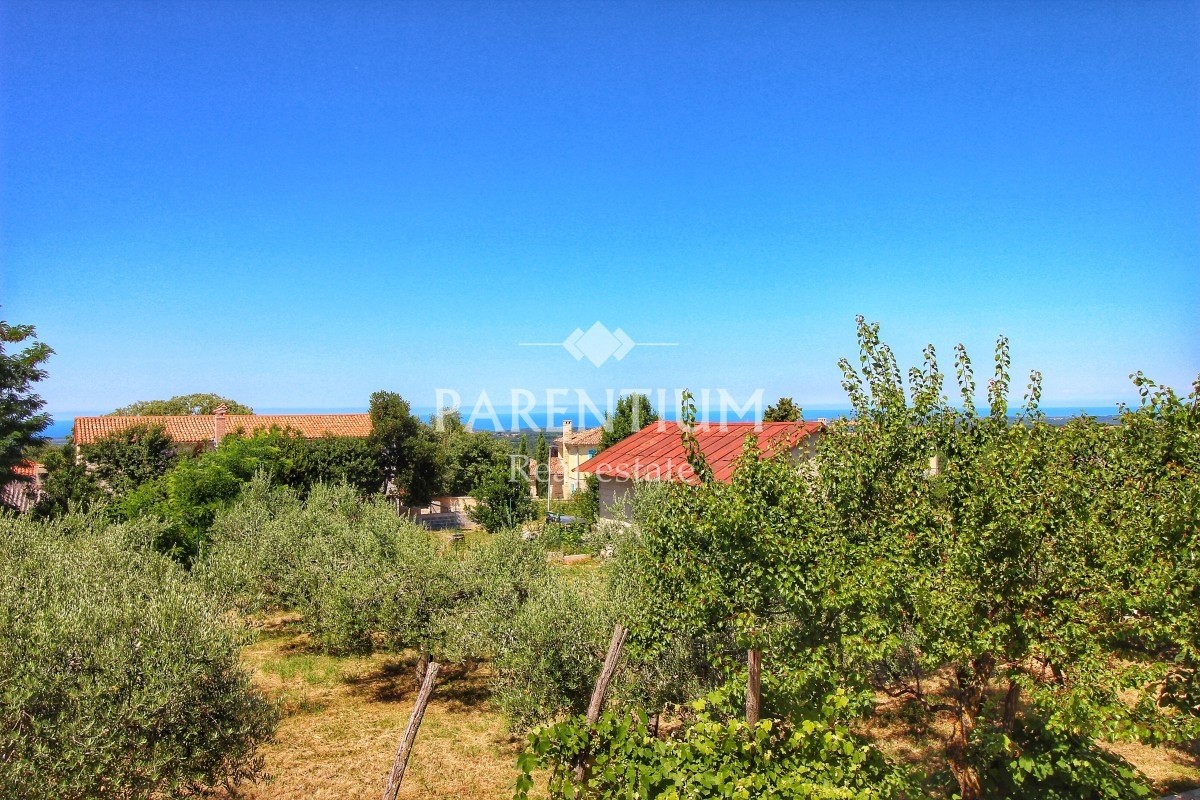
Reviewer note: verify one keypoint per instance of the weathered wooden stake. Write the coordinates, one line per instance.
(410, 732)
(610, 666)
(753, 686)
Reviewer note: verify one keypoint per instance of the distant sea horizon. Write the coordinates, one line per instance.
(64, 421)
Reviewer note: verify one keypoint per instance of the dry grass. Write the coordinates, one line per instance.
(1170, 769)
(343, 720)
(894, 729)
(344, 716)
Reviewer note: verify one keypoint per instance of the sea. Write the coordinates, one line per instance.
(540, 418)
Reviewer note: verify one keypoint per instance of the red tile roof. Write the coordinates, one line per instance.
(202, 427)
(656, 451)
(588, 437)
(28, 469)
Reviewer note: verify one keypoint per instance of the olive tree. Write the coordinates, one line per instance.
(121, 680)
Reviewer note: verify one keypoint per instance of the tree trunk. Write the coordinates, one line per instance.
(396, 776)
(753, 686)
(606, 673)
(423, 662)
(1011, 700)
(972, 688)
(969, 785)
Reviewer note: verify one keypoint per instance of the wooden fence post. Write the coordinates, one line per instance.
(753, 686)
(410, 732)
(610, 666)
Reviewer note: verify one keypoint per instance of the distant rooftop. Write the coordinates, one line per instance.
(656, 451)
(203, 427)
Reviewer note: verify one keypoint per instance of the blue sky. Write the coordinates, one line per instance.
(296, 204)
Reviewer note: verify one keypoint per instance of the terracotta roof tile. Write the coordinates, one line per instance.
(202, 427)
(28, 469)
(656, 451)
(588, 437)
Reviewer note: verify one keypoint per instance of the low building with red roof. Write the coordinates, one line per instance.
(205, 431)
(23, 491)
(656, 453)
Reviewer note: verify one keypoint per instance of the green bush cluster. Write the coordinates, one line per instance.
(363, 579)
(1032, 592)
(710, 757)
(120, 679)
(360, 576)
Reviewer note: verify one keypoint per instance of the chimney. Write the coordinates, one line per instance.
(567, 425)
(219, 423)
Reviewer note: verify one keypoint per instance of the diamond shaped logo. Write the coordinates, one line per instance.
(598, 344)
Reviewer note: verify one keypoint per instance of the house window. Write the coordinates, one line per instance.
(591, 453)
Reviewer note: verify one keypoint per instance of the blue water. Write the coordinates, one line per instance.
(63, 422)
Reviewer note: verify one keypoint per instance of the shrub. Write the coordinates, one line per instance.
(69, 485)
(360, 576)
(494, 582)
(708, 758)
(125, 459)
(121, 680)
(1038, 762)
(547, 656)
(503, 501)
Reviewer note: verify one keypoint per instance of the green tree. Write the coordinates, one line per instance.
(1030, 592)
(406, 447)
(21, 417)
(329, 459)
(785, 410)
(541, 454)
(181, 406)
(502, 500)
(748, 566)
(121, 678)
(996, 573)
(69, 484)
(125, 459)
(633, 412)
(188, 497)
(466, 456)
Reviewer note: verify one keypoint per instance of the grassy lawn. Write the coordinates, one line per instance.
(343, 720)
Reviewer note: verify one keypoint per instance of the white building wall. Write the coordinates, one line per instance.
(616, 499)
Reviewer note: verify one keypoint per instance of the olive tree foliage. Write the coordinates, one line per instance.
(360, 576)
(182, 406)
(121, 679)
(21, 418)
(363, 579)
